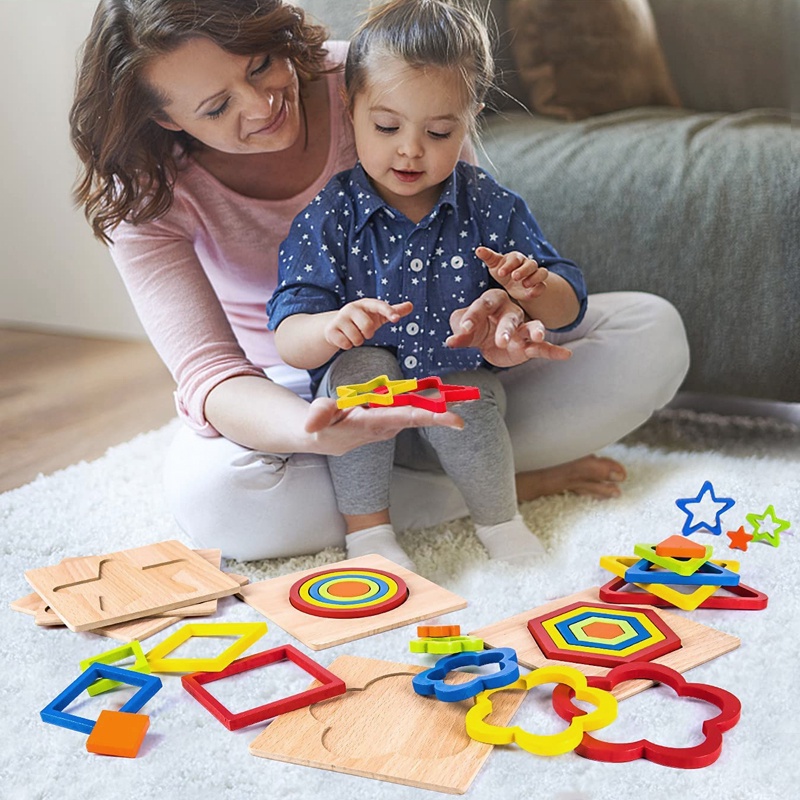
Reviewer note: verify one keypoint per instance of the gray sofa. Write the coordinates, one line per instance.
(700, 205)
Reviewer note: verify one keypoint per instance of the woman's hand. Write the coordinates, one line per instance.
(496, 325)
(336, 431)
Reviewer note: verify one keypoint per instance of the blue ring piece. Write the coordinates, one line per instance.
(54, 712)
(431, 681)
(642, 634)
(313, 590)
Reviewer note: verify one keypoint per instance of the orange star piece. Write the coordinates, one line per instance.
(739, 538)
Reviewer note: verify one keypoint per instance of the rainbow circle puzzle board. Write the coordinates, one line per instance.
(348, 593)
(390, 606)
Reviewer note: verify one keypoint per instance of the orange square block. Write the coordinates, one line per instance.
(118, 733)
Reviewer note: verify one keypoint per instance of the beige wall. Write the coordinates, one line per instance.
(53, 273)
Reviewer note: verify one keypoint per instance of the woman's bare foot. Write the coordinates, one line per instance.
(590, 476)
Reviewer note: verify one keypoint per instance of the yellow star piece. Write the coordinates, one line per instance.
(357, 394)
(544, 745)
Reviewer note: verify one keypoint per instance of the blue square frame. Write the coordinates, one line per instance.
(54, 713)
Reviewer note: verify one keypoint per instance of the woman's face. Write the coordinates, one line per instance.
(235, 104)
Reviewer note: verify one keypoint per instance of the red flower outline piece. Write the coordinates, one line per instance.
(448, 393)
(701, 755)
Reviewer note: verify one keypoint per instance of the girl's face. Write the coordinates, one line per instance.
(231, 103)
(410, 125)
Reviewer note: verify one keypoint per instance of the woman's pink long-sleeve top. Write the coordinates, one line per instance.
(201, 275)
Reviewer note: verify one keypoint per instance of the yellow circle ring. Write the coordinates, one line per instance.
(348, 575)
(558, 640)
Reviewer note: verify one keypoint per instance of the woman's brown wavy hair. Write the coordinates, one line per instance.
(129, 162)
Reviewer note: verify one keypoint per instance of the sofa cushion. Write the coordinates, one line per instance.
(701, 209)
(577, 59)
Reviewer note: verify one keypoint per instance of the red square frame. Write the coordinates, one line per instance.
(331, 686)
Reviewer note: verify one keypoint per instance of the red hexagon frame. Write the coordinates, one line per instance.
(553, 650)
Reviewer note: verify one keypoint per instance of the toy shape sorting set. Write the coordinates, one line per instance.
(431, 728)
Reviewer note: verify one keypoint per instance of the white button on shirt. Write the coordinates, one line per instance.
(410, 362)
(412, 329)
(456, 262)
(416, 264)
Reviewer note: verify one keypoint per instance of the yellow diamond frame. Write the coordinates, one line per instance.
(248, 633)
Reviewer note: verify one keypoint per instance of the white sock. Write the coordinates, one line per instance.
(379, 539)
(508, 541)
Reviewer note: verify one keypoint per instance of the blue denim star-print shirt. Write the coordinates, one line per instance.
(348, 244)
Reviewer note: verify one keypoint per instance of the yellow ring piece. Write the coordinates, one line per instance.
(304, 589)
(553, 744)
(356, 394)
(549, 625)
(688, 601)
(324, 590)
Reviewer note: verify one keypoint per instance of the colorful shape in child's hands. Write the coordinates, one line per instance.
(701, 509)
(768, 527)
(380, 391)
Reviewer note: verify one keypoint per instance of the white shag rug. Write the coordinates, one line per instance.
(116, 502)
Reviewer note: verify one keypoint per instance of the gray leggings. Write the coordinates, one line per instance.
(478, 459)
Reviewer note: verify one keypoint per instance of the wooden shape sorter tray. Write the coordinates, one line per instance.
(382, 729)
(272, 599)
(699, 643)
(97, 591)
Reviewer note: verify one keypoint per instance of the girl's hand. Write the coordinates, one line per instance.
(519, 275)
(358, 321)
(496, 325)
(336, 431)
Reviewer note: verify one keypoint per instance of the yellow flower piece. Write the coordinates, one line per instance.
(356, 394)
(544, 745)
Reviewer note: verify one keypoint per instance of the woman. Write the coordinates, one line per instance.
(204, 127)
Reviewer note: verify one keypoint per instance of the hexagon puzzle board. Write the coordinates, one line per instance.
(699, 643)
(96, 591)
(381, 728)
(425, 599)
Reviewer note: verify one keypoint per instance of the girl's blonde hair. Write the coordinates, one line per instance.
(423, 33)
(128, 161)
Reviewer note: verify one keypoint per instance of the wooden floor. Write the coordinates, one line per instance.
(64, 399)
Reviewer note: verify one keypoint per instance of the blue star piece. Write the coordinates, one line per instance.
(696, 520)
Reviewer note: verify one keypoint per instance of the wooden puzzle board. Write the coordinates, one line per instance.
(96, 591)
(699, 643)
(382, 729)
(425, 600)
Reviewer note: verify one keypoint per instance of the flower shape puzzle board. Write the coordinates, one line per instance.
(272, 598)
(699, 643)
(380, 728)
(96, 591)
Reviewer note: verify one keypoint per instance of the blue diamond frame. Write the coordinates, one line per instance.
(54, 713)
